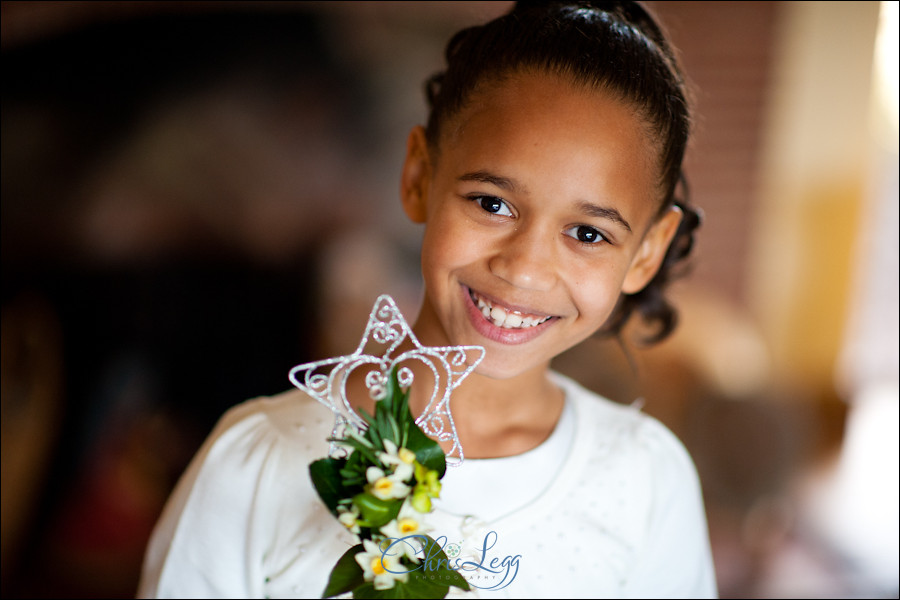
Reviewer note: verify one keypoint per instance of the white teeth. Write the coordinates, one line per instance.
(500, 317)
(512, 320)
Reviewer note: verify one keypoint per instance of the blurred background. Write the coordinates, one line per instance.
(197, 196)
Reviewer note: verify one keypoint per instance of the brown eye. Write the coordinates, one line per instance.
(493, 205)
(585, 234)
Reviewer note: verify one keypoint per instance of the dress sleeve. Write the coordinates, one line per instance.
(675, 560)
(207, 541)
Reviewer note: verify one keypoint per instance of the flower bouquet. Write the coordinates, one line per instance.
(382, 491)
(383, 470)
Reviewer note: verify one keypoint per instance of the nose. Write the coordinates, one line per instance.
(526, 259)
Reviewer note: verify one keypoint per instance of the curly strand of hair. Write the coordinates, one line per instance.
(651, 303)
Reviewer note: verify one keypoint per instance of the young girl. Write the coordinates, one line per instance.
(546, 182)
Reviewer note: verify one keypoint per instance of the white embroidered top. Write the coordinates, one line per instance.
(608, 506)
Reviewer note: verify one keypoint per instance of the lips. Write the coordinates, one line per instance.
(505, 317)
(503, 323)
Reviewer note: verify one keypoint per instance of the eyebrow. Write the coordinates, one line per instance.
(603, 212)
(505, 183)
(588, 208)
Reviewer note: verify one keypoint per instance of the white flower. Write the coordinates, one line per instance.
(380, 569)
(402, 459)
(385, 486)
(348, 518)
(394, 455)
(408, 523)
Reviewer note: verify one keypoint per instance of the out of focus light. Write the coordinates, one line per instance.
(857, 505)
(886, 75)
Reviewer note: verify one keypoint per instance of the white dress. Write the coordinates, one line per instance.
(608, 506)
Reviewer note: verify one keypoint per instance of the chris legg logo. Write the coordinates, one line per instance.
(485, 570)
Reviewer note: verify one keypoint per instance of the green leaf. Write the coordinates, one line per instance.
(421, 585)
(353, 482)
(418, 585)
(346, 575)
(368, 590)
(326, 477)
(375, 511)
(356, 445)
(386, 410)
(350, 471)
(410, 589)
(369, 419)
(371, 433)
(428, 452)
(361, 450)
(393, 394)
(438, 564)
(383, 422)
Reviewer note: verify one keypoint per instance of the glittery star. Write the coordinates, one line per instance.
(326, 380)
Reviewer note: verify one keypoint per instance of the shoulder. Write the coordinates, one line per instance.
(244, 490)
(250, 462)
(257, 445)
(635, 468)
(615, 428)
(288, 414)
(631, 457)
(291, 423)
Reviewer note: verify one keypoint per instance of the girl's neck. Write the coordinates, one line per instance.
(500, 417)
(493, 417)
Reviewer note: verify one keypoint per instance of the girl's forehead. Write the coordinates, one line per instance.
(545, 108)
(553, 136)
(526, 98)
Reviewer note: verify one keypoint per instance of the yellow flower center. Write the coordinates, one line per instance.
(383, 485)
(407, 525)
(406, 455)
(378, 566)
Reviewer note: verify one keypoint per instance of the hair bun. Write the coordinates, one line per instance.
(618, 7)
(628, 11)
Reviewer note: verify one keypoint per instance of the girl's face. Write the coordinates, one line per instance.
(540, 210)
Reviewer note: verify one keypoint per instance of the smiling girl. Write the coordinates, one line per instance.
(546, 181)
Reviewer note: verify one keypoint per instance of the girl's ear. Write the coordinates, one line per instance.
(652, 251)
(416, 176)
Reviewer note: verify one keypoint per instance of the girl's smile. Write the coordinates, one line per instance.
(502, 323)
(540, 208)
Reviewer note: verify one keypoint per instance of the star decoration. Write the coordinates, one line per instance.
(326, 380)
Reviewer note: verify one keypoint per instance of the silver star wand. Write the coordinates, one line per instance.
(326, 380)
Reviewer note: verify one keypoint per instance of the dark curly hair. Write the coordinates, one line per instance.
(616, 47)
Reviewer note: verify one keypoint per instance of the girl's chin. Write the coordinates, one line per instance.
(497, 366)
